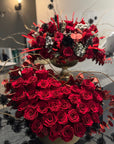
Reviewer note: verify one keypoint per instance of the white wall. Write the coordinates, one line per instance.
(103, 9)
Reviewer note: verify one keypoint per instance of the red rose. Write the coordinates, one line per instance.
(52, 27)
(55, 105)
(32, 94)
(42, 107)
(27, 72)
(23, 106)
(66, 90)
(67, 133)
(74, 98)
(20, 95)
(30, 113)
(87, 95)
(94, 107)
(18, 83)
(42, 74)
(31, 82)
(62, 117)
(43, 83)
(95, 117)
(49, 119)
(45, 95)
(58, 36)
(67, 52)
(87, 120)
(88, 84)
(65, 104)
(37, 126)
(55, 132)
(73, 116)
(98, 96)
(53, 82)
(40, 41)
(82, 108)
(74, 88)
(79, 129)
(57, 93)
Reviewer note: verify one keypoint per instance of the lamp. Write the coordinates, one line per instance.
(18, 6)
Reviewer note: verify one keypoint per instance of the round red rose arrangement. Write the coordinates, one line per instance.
(66, 39)
(55, 108)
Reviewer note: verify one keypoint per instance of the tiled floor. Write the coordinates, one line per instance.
(6, 133)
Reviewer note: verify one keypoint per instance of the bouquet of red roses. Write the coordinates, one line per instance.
(53, 107)
(71, 40)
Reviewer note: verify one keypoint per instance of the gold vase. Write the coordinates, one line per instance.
(64, 74)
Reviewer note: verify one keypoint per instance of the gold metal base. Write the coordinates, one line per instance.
(64, 74)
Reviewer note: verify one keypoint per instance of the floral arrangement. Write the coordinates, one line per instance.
(56, 108)
(66, 39)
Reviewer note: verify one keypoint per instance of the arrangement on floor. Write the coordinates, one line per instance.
(56, 107)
